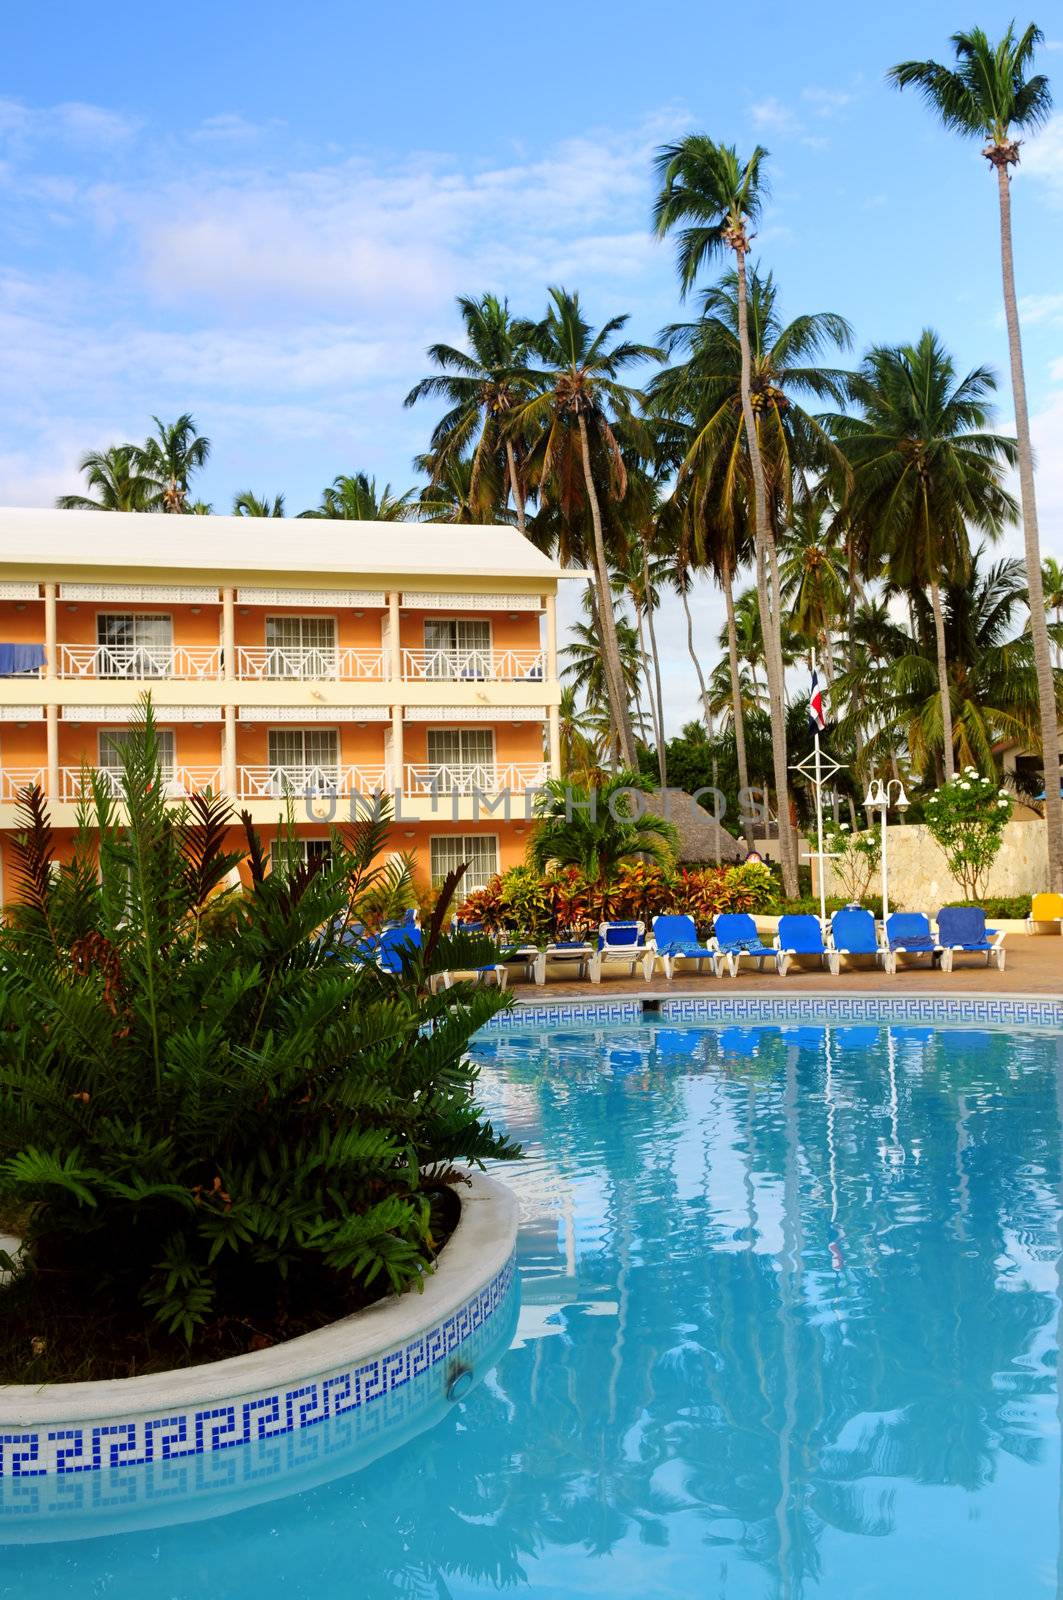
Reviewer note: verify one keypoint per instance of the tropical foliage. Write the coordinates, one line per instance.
(966, 817)
(214, 1126)
(597, 829)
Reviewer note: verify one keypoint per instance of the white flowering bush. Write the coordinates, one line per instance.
(856, 857)
(967, 818)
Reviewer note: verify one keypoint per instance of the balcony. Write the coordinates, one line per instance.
(137, 661)
(75, 783)
(480, 778)
(294, 782)
(472, 666)
(274, 663)
(14, 781)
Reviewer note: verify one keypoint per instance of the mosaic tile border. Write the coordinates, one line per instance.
(530, 1016)
(58, 1451)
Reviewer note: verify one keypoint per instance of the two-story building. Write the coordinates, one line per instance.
(299, 663)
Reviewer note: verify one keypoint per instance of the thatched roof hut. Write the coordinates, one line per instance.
(702, 841)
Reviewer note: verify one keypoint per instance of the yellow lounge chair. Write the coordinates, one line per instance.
(1045, 908)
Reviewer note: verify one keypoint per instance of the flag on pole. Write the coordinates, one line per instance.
(817, 722)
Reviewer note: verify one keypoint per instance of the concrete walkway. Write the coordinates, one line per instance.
(1034, 966)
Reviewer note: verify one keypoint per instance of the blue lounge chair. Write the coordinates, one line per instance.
(853, 933)
(801, 935)
(494, 969)
(565, 952)
(735, 935)
(962, 931)
(908, 934)
(675, 938)
(619, 944)
(395, 942)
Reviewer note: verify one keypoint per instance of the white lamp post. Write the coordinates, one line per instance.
(880, 797)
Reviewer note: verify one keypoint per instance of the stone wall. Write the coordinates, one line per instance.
(920, 881)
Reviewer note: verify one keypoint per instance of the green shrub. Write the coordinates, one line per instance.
(211, 1121)
(967, 818)
(1015, 907)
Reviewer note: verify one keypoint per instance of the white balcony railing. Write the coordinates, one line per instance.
(471, 666)
(137, 661)
(274, 662)
(75, 783)
(435, 778)
(14, 781)
(277, 782)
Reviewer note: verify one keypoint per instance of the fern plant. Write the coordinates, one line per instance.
(218, 1126)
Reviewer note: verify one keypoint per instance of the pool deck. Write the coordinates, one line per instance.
(1034, 967)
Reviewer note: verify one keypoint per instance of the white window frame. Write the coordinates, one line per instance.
(134, 615)
(456, 620)
(169, 768)
(471, 880)
(447, 785)
(302, 618)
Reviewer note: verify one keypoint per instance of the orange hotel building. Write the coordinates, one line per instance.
(312, 659)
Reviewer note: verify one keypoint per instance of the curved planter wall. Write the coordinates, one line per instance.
(82, 1458)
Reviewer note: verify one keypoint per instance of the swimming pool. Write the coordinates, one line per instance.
(789, 1328)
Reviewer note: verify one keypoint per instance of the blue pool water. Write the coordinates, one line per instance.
(789, 1329)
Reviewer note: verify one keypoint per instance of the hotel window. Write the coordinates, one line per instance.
(301, 647)
(457, 647)
(462, 759)
(303, 756)
(480, 850)
(315, 850)
(132, 645)
(112, 741)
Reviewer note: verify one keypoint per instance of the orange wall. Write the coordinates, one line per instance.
(198, 629)
(23, 747)
(521, 631)
(359, 746)
(352, 632)
(521, 746)
(22, 627)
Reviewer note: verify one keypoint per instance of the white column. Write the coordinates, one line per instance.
(228, 633)
(51, 632)
(51, 714)
(551, 638)
(554, 728)
(228, 752)
(395, 653)
(398, 772)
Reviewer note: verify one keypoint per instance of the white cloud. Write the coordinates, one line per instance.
(74, 122)
(771, 115)
(1045, 308)
(1042, 156)
(826, 102)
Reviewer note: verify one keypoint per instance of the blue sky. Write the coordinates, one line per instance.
(262, 214)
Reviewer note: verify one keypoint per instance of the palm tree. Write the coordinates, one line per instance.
(170, 456)
(448, 496)
(354, 498)
(815, 580)
(578, 757)
(990, 667)
(707, 187)
(986, 96)
(598, 829)
(584, 667)
(246, 504)
(482, 386)
(1052, 583)
(924, 470)
(579, 401)
(118, 479)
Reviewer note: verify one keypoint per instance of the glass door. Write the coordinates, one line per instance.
(462, 759)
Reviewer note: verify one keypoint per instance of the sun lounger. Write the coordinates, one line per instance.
(735, 937)
(394, 944)
(801, 935)
(675, 938)
(962, 931)
(619, 944)
(908, 934)
(1047, 909)
(853, 933)
(565, 952)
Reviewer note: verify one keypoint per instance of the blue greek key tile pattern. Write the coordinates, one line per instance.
(563, 1014)
(209, 1430)
(1005, 1011)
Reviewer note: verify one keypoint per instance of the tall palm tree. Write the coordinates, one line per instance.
(482, 385)
(925, 470)
(717, 197)
(815, 580)
(449, 494)
(986, 96)
(170, 456)
(354, 498)
(117, 477)
(584, 667)
(580, 400)
(1052, 583)
(246, 504)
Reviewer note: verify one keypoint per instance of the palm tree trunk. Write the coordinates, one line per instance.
(943, 680)
(772, 637)
(706, 714)
(514, 484)
(736, 707)
(655, 719)
(658, 691)
(1027, 493)
(610, 645)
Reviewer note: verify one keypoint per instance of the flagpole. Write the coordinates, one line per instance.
(819, 826)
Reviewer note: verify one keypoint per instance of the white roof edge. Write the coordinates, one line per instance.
(105, 540)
